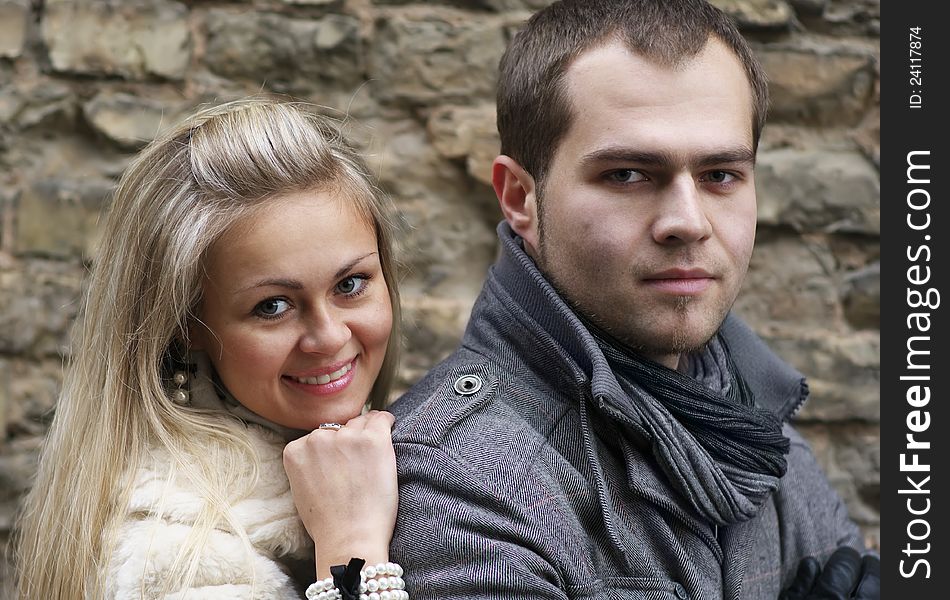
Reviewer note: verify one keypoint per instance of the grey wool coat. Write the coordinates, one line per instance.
(516, 479)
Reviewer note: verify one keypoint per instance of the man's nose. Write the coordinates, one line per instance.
(325, 332)
(681, 214)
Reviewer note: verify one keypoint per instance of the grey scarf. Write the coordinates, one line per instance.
(720, 451)
(724, 454)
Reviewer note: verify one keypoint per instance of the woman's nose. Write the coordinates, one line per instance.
(325, 332)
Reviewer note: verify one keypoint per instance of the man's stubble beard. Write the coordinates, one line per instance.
(678, 343)
(675, 342)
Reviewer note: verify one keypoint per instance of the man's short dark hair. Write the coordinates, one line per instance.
(534, 110)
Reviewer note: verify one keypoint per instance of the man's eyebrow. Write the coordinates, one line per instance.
(736, 156)
(619, 154)
(294, 284)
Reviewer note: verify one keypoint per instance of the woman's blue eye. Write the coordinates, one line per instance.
(272, 307)
(352, 285)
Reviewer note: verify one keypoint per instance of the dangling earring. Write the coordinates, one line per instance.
(180, 396)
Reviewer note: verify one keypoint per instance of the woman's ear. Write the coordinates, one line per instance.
(515, 189)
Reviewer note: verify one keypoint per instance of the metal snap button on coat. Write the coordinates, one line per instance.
(467, 385)
(680, 591)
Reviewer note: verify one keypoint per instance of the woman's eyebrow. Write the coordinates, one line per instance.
(291, 284)
(294, 284)
(348, 266)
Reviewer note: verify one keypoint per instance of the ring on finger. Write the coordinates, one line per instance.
(333, 426)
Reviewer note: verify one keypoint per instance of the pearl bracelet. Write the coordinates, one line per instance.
(377, 582)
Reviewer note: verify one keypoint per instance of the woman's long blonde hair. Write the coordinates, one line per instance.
(174, 200)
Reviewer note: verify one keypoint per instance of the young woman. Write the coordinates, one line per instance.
(243, 297)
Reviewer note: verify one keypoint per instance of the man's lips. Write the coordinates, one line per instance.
(681, 274)
(681, 282)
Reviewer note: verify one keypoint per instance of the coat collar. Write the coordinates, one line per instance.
(516, 281)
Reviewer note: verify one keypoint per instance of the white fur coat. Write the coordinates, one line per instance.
(162, 512)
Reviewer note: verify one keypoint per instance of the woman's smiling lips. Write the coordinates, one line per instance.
(681, 282)
(328, 380)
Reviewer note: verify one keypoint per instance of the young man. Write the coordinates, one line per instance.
(606, 429)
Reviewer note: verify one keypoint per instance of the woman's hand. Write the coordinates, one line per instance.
(344, 486)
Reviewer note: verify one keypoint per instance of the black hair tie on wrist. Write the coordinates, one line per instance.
(346, 578)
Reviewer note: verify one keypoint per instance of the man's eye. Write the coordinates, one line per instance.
(272, 307)
(351, 286)
(625, 176)
(719, 177)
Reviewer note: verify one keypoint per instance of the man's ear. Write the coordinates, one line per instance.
(515, 189)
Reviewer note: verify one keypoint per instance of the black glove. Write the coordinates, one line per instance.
(846, 575)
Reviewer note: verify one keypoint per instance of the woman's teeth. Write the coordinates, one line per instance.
(323, 379)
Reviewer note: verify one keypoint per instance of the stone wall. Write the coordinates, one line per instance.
(84, 83)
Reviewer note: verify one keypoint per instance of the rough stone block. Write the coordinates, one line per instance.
(809, 7)
(5, 396)
(6, 565)
(60, 217)
(433, 57)
(469, 133)
(757, 14)
(30, 390)
(17, 469)
(410, 167)
(514, 5)
(449, 217)
(449, 249)
(853, 253)
(495, 5)
(129, 121)
(7, 216)
(862, 297)
(820, 87)
(843, 371)
(39, 303)
(850, 455)
(868, 135)
(284, 53)
(134, 39)
(320, 3)
(854, 17)
(41, 103)
(790, 281)
(432, 328)
(14, 20)
(819, 190)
